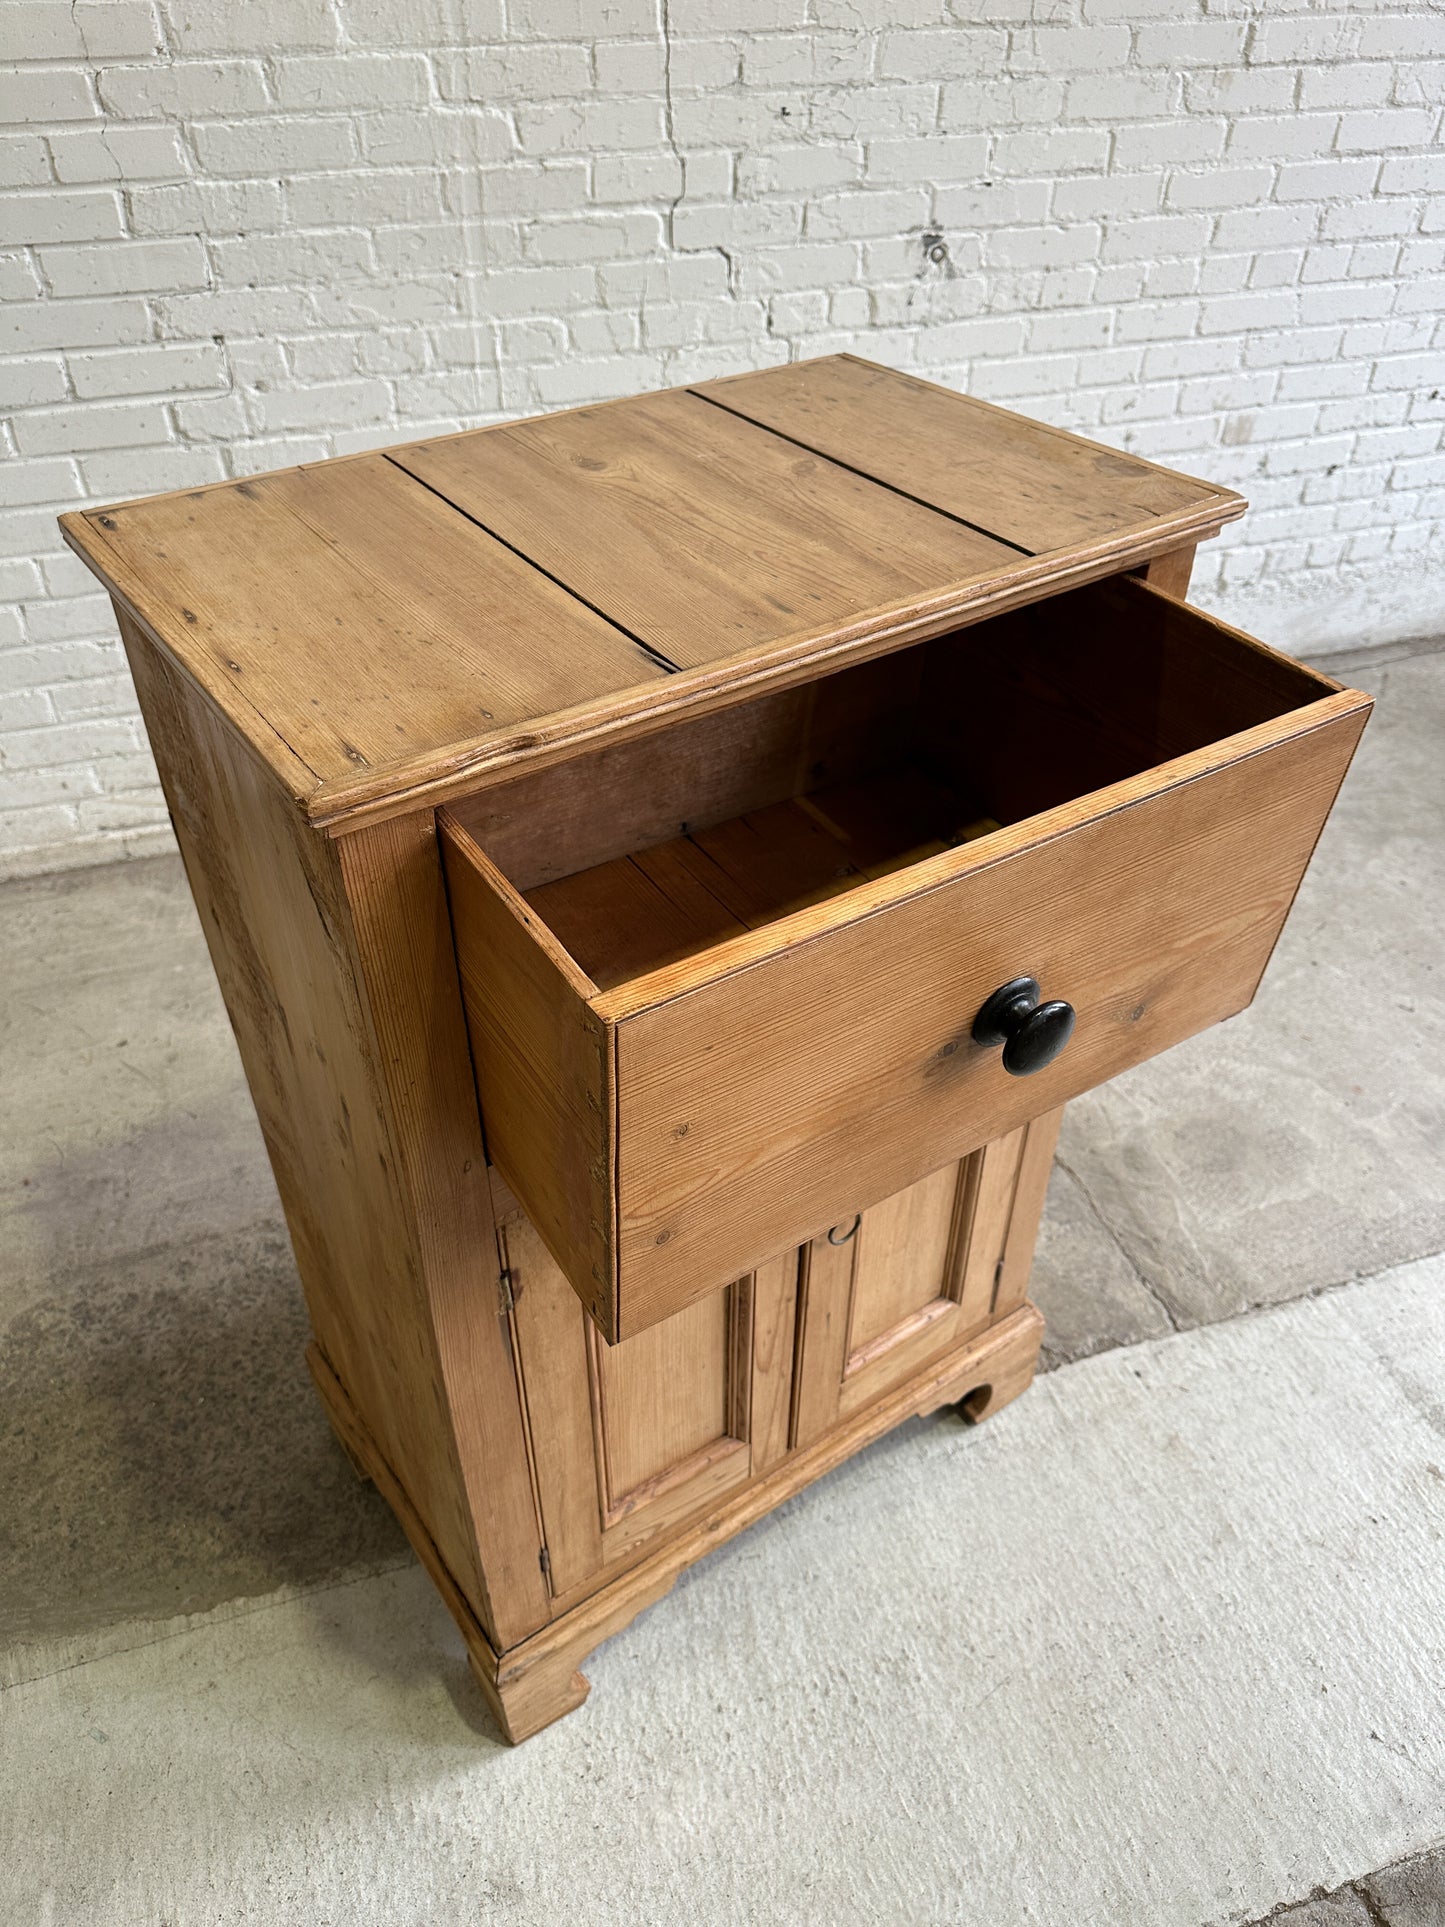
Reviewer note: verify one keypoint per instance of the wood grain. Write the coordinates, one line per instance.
(543, 1066)
(901, 1257)
(664, 1396)
(775, 1300)
(755, 811)
(1160, 780)
(552, 1357)
(364, 619)
(840, 728)
(521, 1706)
(1171, 572)
(1037, 487)
(899, 1290)
(1027, 711)
(395, 894)
(825, 1292)
(797, 1089)
(989, 1224)
(501, 642)
(1052, 702)
(538, 1679)
(455, 771)
(679, 899)
(698, 533)
(331, 998)
(630, 1441)
(382, 652)
(636, 913)
(1010, 1281)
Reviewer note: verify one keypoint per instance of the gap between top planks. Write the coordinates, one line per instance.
(388, 629)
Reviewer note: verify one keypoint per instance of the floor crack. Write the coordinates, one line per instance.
(1145, 1284)
(1369, 1903)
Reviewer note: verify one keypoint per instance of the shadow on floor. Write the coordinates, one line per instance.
(162, 1447)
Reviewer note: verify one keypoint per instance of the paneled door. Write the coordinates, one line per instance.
(630, 1440)
(884, 1293)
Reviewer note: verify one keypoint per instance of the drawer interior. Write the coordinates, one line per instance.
(643, 853)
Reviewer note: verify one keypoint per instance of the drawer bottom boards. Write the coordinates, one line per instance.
(646, 1454)
(676, 899)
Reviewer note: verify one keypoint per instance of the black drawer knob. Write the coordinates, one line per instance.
(1032, 1034)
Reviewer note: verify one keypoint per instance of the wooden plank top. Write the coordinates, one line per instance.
(701, 534)
(1036, 487)
(389, 629)
(354, 611)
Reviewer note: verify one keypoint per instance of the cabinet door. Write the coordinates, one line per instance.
(885, 1293)
(630, 1440)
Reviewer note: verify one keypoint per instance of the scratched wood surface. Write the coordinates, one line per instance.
(699, 533)
(362, 617)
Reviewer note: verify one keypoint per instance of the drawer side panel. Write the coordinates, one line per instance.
(542, 1060)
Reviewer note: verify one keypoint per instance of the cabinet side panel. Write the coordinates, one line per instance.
(403, 938)
(273, 906)
(1171, 571)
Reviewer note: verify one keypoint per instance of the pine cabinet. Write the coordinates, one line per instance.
(668, 865)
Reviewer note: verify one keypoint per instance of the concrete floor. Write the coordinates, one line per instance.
(1245, 1520)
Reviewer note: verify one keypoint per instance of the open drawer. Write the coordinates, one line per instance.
(721, 980)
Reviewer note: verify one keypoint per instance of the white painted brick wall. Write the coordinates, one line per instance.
(241, 233)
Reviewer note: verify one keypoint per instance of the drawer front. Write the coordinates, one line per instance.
(835, 1071)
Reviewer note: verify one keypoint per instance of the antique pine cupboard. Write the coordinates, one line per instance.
(668, 864)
